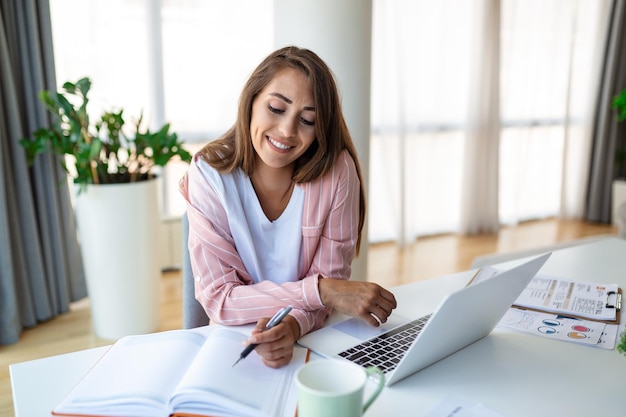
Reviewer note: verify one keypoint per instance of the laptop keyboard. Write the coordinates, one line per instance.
(386, 350)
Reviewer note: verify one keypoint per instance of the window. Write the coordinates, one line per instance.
(177, 61)
(549, 52)
(185, 61)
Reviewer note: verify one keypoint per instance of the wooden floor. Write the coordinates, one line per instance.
(388, 265)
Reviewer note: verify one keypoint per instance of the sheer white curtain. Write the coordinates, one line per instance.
(551, 52)
(420, 70)
(480, 108)
(481, 112)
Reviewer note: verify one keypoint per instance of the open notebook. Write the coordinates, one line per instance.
(184, 373)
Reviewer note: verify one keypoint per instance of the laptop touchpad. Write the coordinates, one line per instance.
(358, 328)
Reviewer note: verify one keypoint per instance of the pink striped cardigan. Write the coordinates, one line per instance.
(329, 233)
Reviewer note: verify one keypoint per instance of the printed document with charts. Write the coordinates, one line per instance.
(184, 373)
(586, 300)
(586, 313)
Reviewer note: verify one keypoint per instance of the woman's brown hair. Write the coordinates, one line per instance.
(234, 148)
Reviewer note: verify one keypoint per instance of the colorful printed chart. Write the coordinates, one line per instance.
(558, 327)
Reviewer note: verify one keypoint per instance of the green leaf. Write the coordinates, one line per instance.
(619, 104)
(64, 104)
(84, 85)
(95, 148)
(46, 98)
(69, 87)
(621, 346)
(32, 148)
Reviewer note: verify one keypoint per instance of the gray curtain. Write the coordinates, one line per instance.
(608, 134)
(40, 265)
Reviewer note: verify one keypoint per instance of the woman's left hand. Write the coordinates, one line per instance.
(275, 344)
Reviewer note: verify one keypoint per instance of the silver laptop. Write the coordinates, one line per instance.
(461, 319)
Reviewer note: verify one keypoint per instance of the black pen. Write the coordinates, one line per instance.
(278, 317)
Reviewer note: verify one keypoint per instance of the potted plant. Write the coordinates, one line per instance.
(619, 183)
(116, 204)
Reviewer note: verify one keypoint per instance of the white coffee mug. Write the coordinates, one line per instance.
(334, 388)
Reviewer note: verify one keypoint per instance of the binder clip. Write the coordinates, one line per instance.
(618, 300)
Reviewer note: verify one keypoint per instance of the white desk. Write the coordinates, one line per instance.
(514, 374)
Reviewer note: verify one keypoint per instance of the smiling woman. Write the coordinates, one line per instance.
(276, 208)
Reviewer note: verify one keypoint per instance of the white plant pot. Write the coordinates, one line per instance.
(118, 228)
(618, 198)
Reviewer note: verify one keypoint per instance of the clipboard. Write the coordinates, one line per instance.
(617, 307)
(613, 301)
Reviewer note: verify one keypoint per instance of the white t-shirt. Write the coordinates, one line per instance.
(270, 250)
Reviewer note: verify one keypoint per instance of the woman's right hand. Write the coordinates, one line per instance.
(366, 300)
(275, 346)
